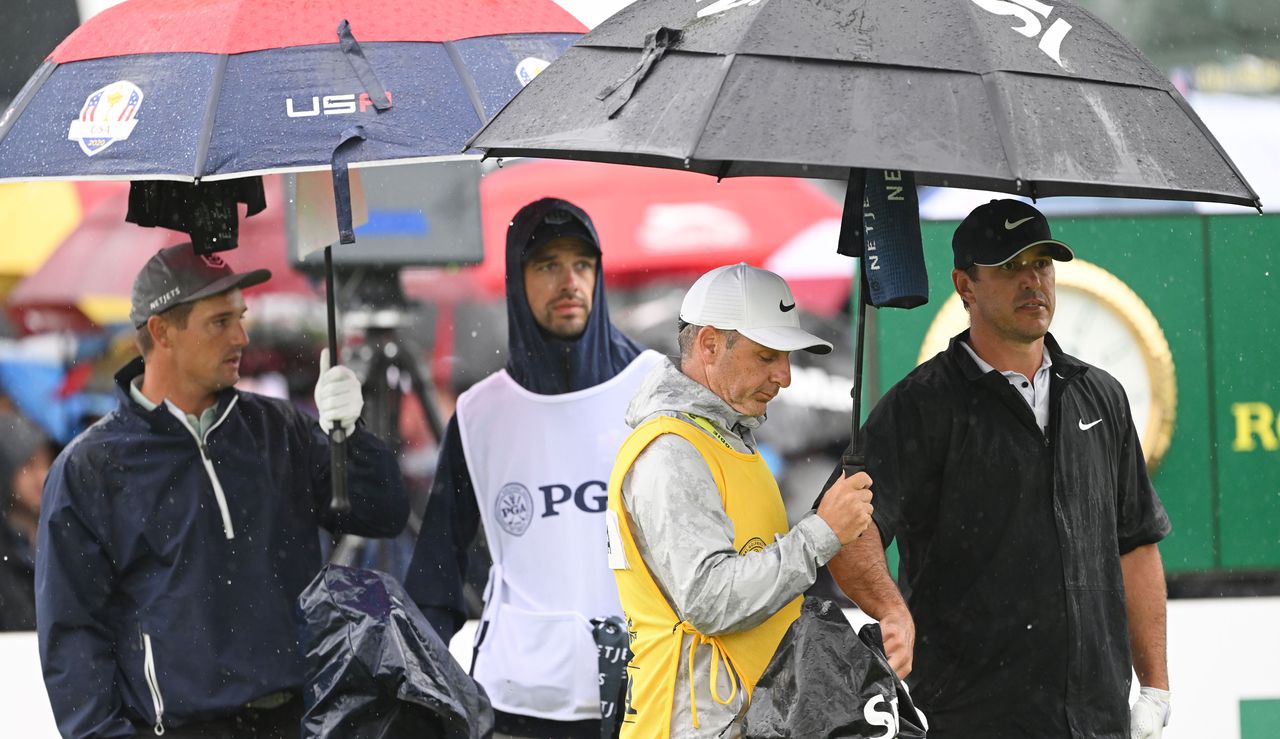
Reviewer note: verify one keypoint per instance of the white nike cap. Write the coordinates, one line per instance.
(754, 302)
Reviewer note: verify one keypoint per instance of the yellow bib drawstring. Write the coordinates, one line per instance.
(718, 656)
(705, 425)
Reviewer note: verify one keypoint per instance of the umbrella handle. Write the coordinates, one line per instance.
(853, 459)
(853, 463)
(339, 503)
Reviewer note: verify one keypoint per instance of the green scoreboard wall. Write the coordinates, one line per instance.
(1212, 283)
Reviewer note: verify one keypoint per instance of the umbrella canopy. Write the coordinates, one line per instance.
(659, 224)
(1035, 99)
(212, 89)
(87, 281)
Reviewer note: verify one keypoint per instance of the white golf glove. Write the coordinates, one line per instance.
(338, 396)
(1150, 714)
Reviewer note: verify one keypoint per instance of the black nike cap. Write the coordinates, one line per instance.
(995, 232)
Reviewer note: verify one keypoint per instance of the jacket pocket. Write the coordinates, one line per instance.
(540, 664)
(153, 683)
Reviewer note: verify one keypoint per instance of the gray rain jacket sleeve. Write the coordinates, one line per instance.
(686, 539)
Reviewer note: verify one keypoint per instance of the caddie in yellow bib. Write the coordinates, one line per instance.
(708, 571)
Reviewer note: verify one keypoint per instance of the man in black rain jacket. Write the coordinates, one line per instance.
(1012, 476)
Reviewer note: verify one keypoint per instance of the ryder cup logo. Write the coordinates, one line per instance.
(514, 508)
(1026, 11)
(108, 115)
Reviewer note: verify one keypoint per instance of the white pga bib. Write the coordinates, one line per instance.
(540, 466)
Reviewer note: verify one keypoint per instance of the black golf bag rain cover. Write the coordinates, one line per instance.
(827, 681)
(377, 670)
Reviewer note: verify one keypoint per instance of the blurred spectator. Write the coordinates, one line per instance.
(24, 461)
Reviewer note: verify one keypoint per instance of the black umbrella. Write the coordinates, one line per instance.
(1021, 96)
(1027, 97)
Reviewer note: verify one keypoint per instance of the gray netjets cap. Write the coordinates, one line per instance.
(177, 275)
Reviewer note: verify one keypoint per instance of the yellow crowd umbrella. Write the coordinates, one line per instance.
(35, 217)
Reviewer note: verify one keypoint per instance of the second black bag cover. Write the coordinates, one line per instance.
(827, 681)
(377, 670)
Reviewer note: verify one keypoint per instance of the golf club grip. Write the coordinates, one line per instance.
(338, 471)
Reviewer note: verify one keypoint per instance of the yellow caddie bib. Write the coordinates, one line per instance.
(752, 502)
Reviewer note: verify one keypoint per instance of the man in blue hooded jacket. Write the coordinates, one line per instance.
(177, 532)
(527, 458)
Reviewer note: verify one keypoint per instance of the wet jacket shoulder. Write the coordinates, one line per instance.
(913, 425)
(181, 557)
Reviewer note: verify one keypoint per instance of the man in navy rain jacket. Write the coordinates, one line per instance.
(526, 459)
(177, 532)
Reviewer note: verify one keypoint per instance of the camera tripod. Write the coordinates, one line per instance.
(391, 367)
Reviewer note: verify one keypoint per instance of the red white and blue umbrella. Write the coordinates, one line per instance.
(211, 89)
(203, 90)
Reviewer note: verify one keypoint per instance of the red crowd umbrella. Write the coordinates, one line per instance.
(659, 224)
(86, 282)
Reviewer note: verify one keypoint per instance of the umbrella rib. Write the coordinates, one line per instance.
(1003, 132)
(711, 106)
(25, 96)
(468, 82)
(211, 110)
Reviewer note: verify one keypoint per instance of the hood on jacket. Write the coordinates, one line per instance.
(666, 391)
(543, 363)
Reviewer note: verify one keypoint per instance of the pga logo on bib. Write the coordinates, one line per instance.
(515, 507)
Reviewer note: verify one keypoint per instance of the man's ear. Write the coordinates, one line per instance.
(708, 342)
(963, 284)
(159, 330)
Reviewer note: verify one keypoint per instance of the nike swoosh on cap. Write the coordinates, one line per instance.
(1086, 426)
(784, 307)
(1010, 225)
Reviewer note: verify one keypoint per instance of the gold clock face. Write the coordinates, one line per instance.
(1102, 321)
